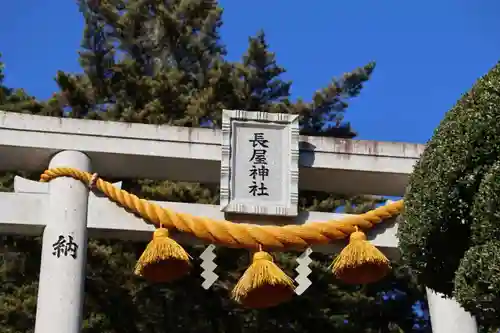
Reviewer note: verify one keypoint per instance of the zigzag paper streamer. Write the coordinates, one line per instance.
(208, 266)
(303, 269)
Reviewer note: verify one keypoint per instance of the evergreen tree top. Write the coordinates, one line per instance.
(164, 63)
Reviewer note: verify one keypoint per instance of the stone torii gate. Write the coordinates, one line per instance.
(65, 211)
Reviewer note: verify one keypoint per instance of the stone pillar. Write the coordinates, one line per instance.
(64, 249)
(448, 316)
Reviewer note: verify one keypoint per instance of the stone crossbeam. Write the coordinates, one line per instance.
(123, 150)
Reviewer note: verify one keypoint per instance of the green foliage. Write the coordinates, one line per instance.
(15, 99)
(477, 282)
(163, 63)
(117, 301)
(450, 232)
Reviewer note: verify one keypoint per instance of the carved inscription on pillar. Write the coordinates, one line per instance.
(259, 164)
(64, 247)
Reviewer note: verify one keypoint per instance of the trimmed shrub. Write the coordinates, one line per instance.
(450, 231)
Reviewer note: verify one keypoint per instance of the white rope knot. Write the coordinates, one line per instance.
(93, 181)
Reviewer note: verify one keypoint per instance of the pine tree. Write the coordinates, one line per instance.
(164, 63)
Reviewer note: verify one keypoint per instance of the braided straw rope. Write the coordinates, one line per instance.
(230, 234)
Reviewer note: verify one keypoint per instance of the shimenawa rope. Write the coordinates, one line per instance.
(263, 284)
(230, 234)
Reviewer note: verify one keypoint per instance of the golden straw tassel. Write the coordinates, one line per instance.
(360, 262)
(163, 260)
(263, 284)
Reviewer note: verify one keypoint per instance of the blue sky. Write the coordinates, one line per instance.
(428, 52)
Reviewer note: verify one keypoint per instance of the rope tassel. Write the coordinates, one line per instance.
(263, 284)
(360, 262)
(163, 260)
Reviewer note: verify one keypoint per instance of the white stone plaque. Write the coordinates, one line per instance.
(260, 163)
